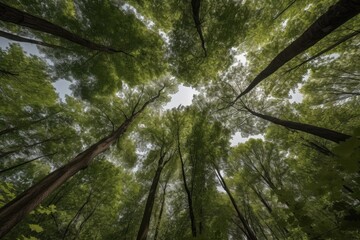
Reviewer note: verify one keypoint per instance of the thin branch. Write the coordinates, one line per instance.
(21, 164)
(280, 13)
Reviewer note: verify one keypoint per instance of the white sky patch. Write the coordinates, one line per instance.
(237, 138)
(183, 97)
(164, 37)
(284, 23)
(62, 87)
(220, 189)
(29, 48)
(149, 24)
(240, 58)
(326, 59)
(295, 95)
(308, 7)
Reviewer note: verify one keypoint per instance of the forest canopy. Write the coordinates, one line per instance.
(108, 159)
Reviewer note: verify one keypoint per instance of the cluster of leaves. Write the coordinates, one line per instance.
(174, 173)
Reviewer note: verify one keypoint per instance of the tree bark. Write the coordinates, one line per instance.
(27, 40)
(325, 133)
(336, 15)
(13, 15)
(249, 232)
(145, 222)
(18, 208)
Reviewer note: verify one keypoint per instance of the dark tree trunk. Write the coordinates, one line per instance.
(249, 232)
(145, 222)
(341, 40)
(195, 5)
(18, 208)
(303, 127)
(187, 190)
(13, 15)
(27, 40)
(161, 212)
(336, 15)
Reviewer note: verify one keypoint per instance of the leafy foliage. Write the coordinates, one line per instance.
(179, 169)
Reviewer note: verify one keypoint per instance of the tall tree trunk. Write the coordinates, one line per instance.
(325, 133)
(249, 232)
(341, 40)
(187, 190)
(145, 222)
(13, 15)
(336, 15)
(18, 208)
(27, 40)
(161, 212)
(195, 5)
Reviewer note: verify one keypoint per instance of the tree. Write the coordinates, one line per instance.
(26, 202)
(338, 14)
(108, 161)
(13, 15)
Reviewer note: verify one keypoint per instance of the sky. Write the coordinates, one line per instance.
(183, 97)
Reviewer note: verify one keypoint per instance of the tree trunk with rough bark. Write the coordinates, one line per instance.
(18, 208)
(145, 222)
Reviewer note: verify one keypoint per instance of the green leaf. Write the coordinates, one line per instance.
(36, 228)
